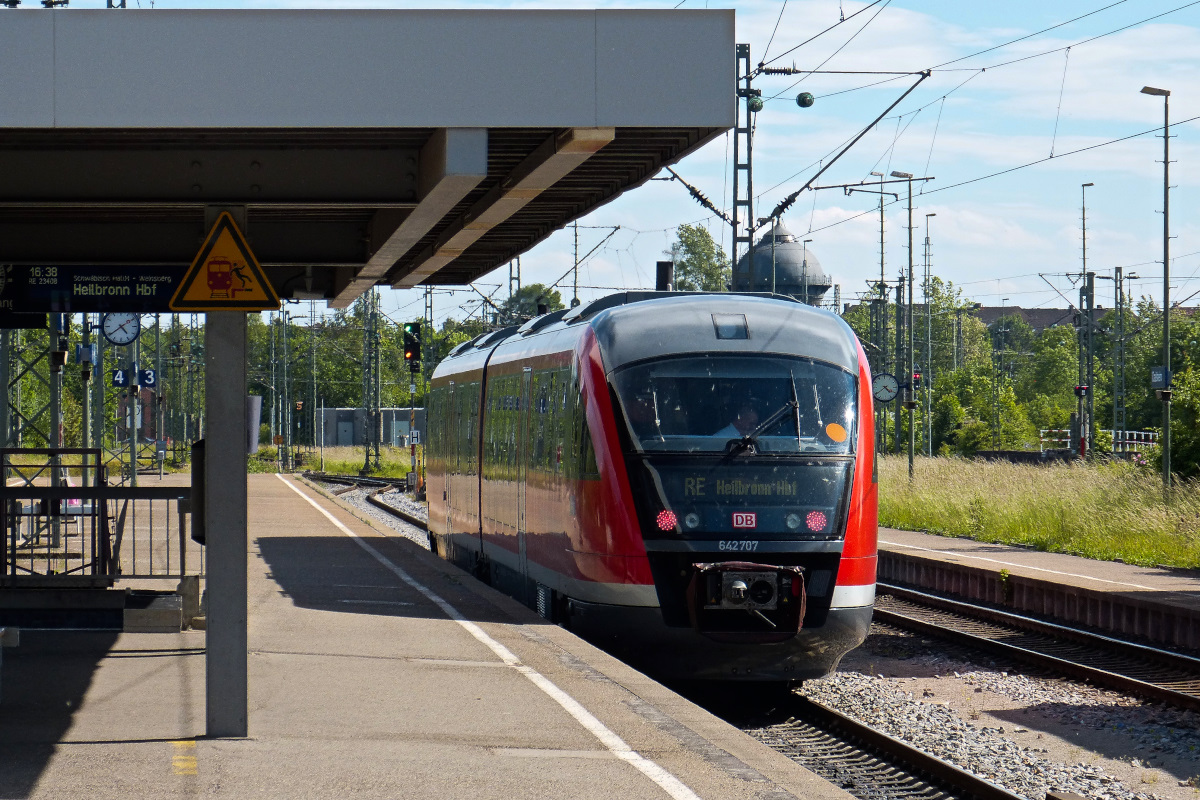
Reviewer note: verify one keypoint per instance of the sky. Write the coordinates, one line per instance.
(1009, 136)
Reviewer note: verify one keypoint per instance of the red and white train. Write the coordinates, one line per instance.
(686, 479)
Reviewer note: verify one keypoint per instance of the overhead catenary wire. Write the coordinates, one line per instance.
(1030, 35)
(842, 21)
(835, 52)
(778, 19)
(1058, 111)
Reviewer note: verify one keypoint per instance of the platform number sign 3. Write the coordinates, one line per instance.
(147, 378)
(120, 377)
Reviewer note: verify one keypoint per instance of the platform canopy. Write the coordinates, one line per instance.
(367, 147)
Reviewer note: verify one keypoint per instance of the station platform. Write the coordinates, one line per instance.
(376, 670)
(1157, 605)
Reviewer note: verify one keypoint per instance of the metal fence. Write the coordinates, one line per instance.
(56, 534)
(1123, 441)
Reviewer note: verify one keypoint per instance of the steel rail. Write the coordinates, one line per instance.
(411, 519)
(355, 480)
(1136, 669)
(853, 746)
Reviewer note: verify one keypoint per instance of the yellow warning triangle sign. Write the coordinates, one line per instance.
(225, 275)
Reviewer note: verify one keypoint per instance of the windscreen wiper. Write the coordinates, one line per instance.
(751, 439)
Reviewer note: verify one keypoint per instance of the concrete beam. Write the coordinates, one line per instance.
(552, 161)
(452, 163)
(273, 68)
(225, 514)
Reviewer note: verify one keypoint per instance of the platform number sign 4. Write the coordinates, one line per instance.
(120, 377)
(147, 378)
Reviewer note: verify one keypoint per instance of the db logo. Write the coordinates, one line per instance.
(745, 519)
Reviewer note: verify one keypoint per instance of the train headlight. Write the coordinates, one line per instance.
(692, 520)
(666, 520)
(793, 522)
(816, 521)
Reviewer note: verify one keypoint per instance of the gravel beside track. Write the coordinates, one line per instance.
(358, 499)
(1029, 731)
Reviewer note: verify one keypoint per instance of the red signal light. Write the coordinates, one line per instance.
(667, 521)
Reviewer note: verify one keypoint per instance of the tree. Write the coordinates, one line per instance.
(523, 304)
(700, 263)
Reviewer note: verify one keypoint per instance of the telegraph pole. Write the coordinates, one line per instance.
(312, 370)
(1089, 285)
(928, 345)
(1118, 360)
(899, 351)
(286, 408)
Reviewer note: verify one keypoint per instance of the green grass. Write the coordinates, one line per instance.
(394, 462)
(1105, 511)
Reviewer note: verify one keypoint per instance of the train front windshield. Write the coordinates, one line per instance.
(722, 402)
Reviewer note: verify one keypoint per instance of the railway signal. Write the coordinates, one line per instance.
(412, 346)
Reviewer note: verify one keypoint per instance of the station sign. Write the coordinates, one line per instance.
(1160, 378)
(77, 289)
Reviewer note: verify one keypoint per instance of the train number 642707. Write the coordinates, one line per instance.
(740, 545)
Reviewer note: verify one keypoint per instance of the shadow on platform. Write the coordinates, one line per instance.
(332, 573)
(43, 683)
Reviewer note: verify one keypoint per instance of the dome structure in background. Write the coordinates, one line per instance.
(786, 262)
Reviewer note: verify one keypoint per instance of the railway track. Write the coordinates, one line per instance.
(356, 480)
(866, 762)
(375, 487)
(1139, 670)
(857, 757)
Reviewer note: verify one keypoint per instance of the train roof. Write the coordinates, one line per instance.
(744, 323)
(634, 326)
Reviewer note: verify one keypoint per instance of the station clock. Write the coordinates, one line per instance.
(121, 327)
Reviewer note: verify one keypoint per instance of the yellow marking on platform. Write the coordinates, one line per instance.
(182, 763)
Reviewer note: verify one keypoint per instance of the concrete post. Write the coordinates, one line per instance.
(226, 515)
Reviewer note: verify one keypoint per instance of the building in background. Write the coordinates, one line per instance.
(784, 264)
(347, 427)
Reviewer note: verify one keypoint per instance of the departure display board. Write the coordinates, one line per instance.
(85, 289)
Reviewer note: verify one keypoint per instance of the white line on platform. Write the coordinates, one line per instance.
(377, 602)
(1014, 564)
(668, 782)
(362, 586)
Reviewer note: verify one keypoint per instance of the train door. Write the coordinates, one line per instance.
(523, 423)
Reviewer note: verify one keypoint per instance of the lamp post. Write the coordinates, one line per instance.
(1165, 94)
(909, 401)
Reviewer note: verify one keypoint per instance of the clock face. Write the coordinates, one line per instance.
(885, 387)
(121, 327)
